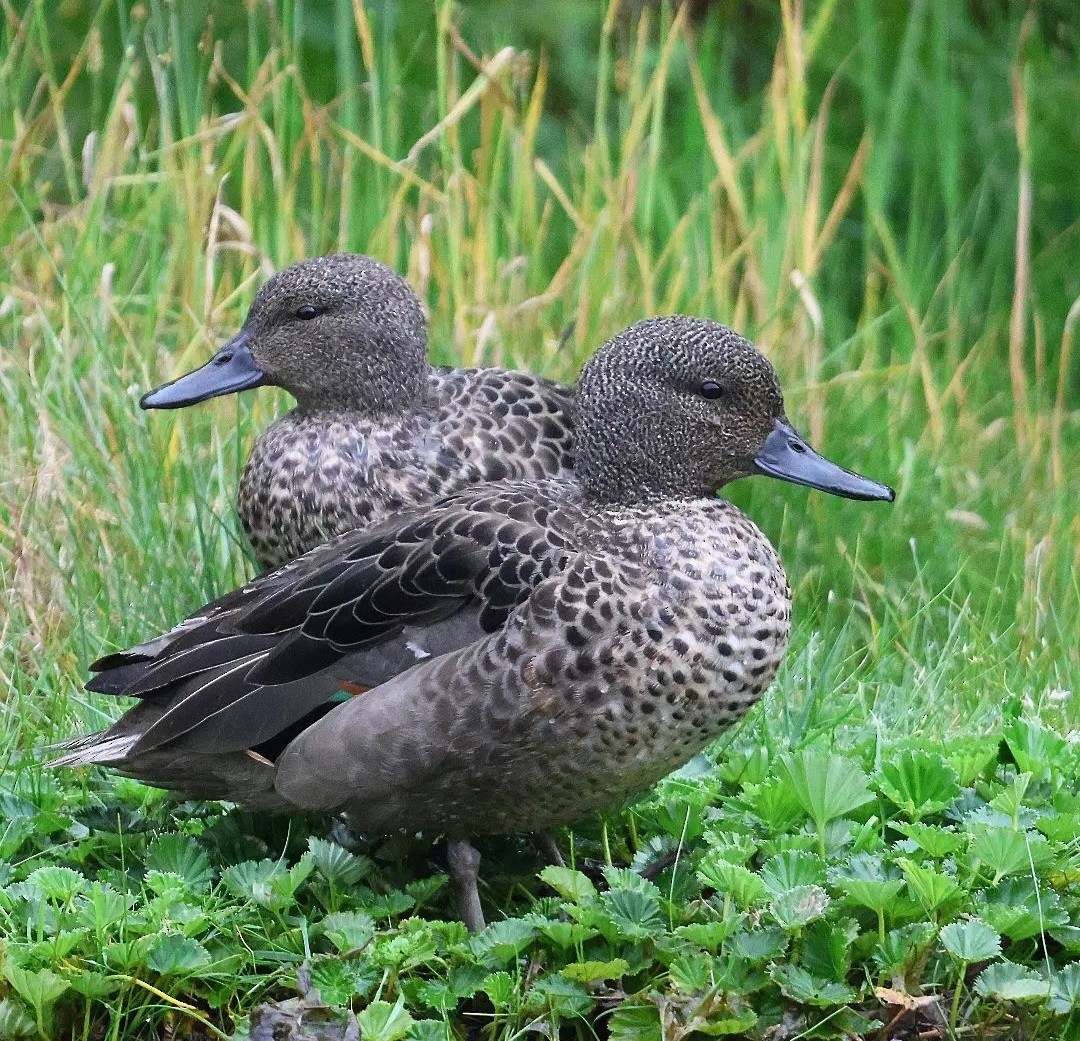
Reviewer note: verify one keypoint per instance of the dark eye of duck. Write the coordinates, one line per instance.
(711, 389)
(306, 311)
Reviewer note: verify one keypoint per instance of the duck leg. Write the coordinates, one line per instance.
(463, 859)
(547, 845)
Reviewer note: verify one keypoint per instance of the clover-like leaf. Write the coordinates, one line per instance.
(338, 866)
(381, 1021)
(827, 785)
(172, 955)
(799, 906)
(181, 855)
(919, 782)
(799, 985)
(971, 940)
(1007, 981)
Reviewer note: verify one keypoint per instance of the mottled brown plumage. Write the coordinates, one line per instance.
(534, 649)
(376, 428)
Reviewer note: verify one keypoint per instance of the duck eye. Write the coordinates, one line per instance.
(711, 389)
(306, 311)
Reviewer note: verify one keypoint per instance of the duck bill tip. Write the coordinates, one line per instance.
(230, 371)
(786, 456)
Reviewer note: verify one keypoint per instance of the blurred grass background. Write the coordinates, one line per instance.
(884, 195)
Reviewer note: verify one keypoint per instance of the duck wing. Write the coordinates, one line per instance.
(348, 616)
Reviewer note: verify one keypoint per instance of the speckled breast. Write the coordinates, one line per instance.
(311, 477)
(634, 677)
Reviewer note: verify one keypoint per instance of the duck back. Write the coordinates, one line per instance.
(314, 474)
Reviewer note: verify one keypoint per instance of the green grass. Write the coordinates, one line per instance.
(847, 187)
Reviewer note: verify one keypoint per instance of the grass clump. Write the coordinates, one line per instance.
(887, 846)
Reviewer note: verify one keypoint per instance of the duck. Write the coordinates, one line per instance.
(514, 656)
(376, 427)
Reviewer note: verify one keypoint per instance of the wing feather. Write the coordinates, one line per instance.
(358, 610)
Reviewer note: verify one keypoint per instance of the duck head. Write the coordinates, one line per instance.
(337, 332)
(675, 407)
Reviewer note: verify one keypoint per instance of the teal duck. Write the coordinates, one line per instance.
(516, 655)
(376, 427)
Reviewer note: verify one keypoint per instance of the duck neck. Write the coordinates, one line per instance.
(376, 390)
(644, 456)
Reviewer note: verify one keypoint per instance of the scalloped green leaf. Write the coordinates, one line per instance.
(1065, 989)
(504, 940)
(828, 786)
(876, 894)
(499, 987)
(971, 940)
(931, 888)
(591, 971)
(1006, 851)
(56, 883)
(181, 855)
(633, 912)
(14, 1022)
(40, 989)
(939, 842)
(336, 865)
(1034, 746)
(635, 1020)
(798, 907)
(348, 930)
(799, 985)
(381, 1021)
(1007, 981)
(918, 782)
(571, 885)
(791, 869)
(173, 955)
(743, 886)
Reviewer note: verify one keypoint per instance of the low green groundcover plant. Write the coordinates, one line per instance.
(851, 887)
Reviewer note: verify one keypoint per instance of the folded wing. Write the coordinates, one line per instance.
(347, 616)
